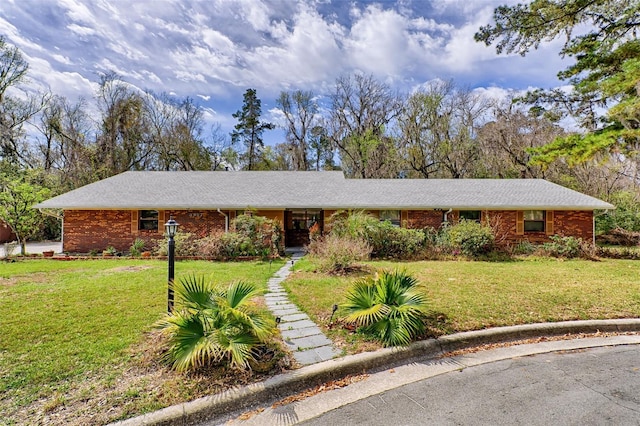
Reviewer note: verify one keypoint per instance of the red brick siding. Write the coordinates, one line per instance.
(198, 222)
(574, 223)
(568, 223)
(86, 230)
(420, 219)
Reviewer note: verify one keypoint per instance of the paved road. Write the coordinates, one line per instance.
(568, 382)
(597, 386)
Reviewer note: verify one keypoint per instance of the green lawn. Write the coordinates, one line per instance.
(63, 323)
(75, 347)
(476, 295)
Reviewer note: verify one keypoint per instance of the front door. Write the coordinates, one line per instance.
(297, 225)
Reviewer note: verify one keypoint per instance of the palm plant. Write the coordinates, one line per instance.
(212, 324)
(388, 307)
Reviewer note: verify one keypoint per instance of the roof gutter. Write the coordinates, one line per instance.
(226, 221)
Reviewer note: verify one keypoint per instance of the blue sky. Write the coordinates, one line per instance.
(214, 50)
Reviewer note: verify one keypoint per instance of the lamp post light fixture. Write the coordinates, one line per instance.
(171, 227)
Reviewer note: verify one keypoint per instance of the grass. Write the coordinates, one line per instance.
(75, 328)
(76, 346)
(475, 295)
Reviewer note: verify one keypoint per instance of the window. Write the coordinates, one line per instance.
(534, 220)
(148, 220)
(473, 215)
(392, 216)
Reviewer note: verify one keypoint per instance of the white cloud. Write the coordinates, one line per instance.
(81, 30)
(378, 41)
(62, 59)
(77, 11)
(187, 76)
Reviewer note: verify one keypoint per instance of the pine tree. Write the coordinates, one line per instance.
(249, 129)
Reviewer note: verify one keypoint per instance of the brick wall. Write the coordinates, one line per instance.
(87, 230)
(420, 219)
(567, 223)
(575, 223)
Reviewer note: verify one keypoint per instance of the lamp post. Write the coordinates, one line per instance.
(171, 227)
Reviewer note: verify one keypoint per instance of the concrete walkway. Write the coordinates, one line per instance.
(303, 337)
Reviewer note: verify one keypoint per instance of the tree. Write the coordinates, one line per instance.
(507, 139)
(300, 112)
(17, 196)
(66, 150)
(438, 128)
(15, 111)
(249, 129)
(122, 143)
(362, 109)
(601, 36)
(320, 149)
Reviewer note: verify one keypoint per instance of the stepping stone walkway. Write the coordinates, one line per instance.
(303, 337)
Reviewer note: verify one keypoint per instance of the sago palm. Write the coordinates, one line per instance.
(213, 324)
(388, 306)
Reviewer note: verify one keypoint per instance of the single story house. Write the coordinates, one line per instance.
(117, 210)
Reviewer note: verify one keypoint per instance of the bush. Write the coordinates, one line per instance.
(136, 247)
(626, 214)
(212, 324)
(385, 239)
(212, 245)
(338, 254)
(388, 307)
(186, 244)
(254, 236)
(566, 247)
(524, 248)
(471, 238)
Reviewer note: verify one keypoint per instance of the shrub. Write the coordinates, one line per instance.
(136, 247)
(212, 324)
(212, 245)
(626, 214)
(471, 238)
(186, 244)
(387, 307)
(559, 246)
(385, 239)
(353, 224)
(253, 236)
(338, 254)
(523, 247)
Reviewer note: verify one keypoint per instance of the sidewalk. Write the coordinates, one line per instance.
(303, 337)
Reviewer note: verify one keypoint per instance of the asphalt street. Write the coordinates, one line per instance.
(599, 386)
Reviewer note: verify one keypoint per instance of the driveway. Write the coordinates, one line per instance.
(35, 247)
(582, 381)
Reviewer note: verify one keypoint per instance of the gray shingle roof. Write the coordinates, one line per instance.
(327, 190)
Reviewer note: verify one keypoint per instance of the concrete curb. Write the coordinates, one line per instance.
(289, 383)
